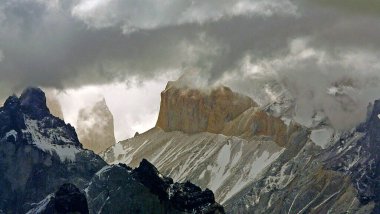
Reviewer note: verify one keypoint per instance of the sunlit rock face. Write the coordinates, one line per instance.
(218, 111)
(95, 127)
(193, 110)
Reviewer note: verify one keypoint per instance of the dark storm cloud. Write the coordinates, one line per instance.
(56, 44)
(306, 46)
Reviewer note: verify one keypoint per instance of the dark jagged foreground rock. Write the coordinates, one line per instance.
(132, 191)
(68, 199)
(39, 153)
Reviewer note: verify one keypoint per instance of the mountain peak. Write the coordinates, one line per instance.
(33, 101)
(12, 103)
(195, 110)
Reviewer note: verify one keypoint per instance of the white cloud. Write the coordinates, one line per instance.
(134, 106)
(149, 14)
(310, 74)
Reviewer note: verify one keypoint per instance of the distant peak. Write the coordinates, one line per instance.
(33, 100)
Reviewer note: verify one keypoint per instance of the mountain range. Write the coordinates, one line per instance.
(260, 159)
(256, 159)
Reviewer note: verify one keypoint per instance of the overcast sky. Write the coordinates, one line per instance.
(126, 51)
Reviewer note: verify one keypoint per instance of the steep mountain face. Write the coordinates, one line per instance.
(95, 127)
(192, 111)
(342, 178)
(224, 156)
(39, 153)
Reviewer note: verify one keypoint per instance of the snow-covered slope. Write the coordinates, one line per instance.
(221, 163)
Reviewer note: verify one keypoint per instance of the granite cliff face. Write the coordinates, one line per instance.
(192, 110)
(95, 127)
(217, 111)
(44, 168)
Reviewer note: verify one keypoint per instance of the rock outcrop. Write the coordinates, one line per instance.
(218, 111)
(68, 199)
(192, 110)
(95, 127)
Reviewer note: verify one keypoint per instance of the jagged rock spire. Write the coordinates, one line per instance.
(33, 102)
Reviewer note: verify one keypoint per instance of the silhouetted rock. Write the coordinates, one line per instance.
(33, 101)
(68, 199)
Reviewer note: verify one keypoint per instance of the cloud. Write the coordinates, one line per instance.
(150, 14)
(50, 43)
(1, 55)
(338, 85)
(134, 104)
(305, 46)
(352, 6)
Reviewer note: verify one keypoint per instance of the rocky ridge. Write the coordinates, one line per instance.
(218, 111)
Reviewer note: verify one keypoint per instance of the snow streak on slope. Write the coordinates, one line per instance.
(65, 152)
(223, 164)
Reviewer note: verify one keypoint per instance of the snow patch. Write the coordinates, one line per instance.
(11, 133)
(64, 152)
(322, 137)
(103, 170)
(41, 206)
(286, 120)
(253, 170)
(218, 171)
